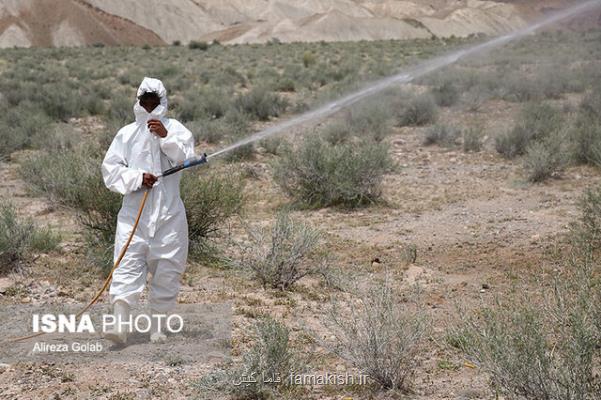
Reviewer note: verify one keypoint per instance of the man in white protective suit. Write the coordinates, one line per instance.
(139, 152)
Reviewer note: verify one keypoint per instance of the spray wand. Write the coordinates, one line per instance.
(190, 162)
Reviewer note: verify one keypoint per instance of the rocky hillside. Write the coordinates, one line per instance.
(46, 23)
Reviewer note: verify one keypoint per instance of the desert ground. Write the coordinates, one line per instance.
(465, 201)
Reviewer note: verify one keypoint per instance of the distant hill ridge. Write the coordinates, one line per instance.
(50, 23)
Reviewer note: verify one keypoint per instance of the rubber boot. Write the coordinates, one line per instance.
(117, 334)
(157, 329)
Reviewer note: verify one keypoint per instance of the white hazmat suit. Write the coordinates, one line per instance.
(160, 245)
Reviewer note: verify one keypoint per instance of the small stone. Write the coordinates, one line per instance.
(5, 283)
(26, 300)
(4, 367)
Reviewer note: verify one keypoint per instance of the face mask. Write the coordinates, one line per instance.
(143, 116)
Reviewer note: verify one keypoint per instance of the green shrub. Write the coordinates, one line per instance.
(18, 236)
(519, 88)
(210, 103)
(543, 343)
(371, 119)
(336, 132)
(536, 121)
(443, 135)
(308, 59)
(586, 131)
(21, 127)
(472, 139)
(585, 137)
(196, 45)
(261, 103)
(60, 101)
(58, 136)
(72, 178)
(546, 351)
(381, 336)
(209, 131)
(320, 174)
(210, 200)
(270, 356)
(417, 111)
(120, 109)
(591, 104)
(474, 99)
(544, 158)
(240, 153)
(281, 257)
(586, 230)
(446, 94)
(284, 85)
(273, 144)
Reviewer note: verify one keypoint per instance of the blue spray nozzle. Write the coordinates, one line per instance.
(190, 162)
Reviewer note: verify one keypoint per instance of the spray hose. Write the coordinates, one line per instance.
(186, 164)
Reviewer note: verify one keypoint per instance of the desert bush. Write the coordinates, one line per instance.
(281, 257)
(586, 230)
(320, 174)
(536, 121)
(57, 136)
(474, 99)
(371, 119)
(585, 137)
(210, 200)
(543, 343)
(209, 103)
(273, 144)
(196, 45)
(381, 336)
(211, 131)
(591, 104)
(120, 109)
(22, 127)
(444, 135)
(446, 94)
(60, 101)
(538, 351)
(72, 178)
(261, 104)
(20, 236)
(336, 132)
(472, 139)
(270, 356)
(586, 131)
(240, 153)
(544, 158)
(519, 88)
(417, 111)
(308, 59)
(284, 85)
(553, 81)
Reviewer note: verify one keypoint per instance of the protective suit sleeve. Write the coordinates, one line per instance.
(178, 145)
(117, 176)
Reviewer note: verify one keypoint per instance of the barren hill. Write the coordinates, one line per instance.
(83, 22)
